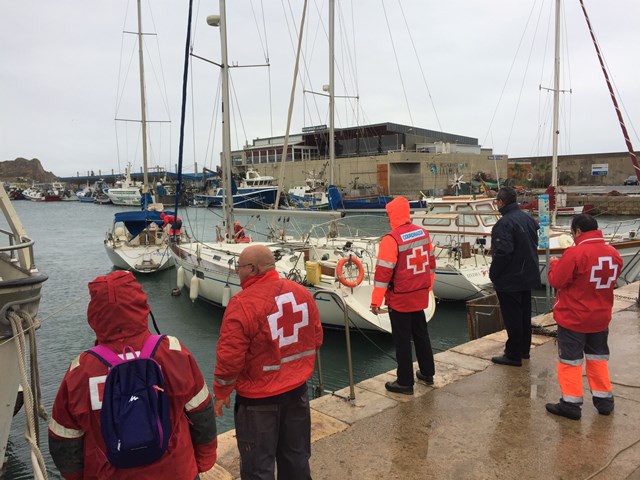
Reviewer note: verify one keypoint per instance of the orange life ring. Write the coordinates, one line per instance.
(341, 278)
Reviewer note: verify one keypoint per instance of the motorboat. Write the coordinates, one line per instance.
(468, 219)
(125, 192)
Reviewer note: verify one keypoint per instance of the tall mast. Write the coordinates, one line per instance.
(226, 125)
(143, 103)
(556, 101)
(332, 143)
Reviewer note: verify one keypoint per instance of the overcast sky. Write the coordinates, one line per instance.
(462, 66)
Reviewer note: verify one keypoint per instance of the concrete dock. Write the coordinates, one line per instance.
(479, 420)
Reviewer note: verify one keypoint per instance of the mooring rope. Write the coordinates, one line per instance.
(33, 406)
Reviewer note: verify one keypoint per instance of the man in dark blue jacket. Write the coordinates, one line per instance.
(514, 272)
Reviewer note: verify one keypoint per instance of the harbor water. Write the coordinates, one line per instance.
(69, 249)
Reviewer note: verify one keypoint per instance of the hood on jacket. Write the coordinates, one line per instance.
(118, 307)
(398, 211)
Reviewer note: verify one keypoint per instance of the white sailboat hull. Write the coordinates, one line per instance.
(146, 252)
(213, 265)
(141, 259)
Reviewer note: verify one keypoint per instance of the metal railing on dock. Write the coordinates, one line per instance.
(340, 301)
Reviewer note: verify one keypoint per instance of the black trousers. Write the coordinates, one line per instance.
(516, 313)
(406, 326)
(274, 433)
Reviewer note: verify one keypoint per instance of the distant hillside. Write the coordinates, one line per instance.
(23, 170)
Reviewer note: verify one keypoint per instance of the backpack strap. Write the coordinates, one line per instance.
(150, 346)
(110, 359)
(105, 355)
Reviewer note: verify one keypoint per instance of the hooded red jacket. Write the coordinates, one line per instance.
(405, 263)
(584, 278)
(118, 313)
(268, 339)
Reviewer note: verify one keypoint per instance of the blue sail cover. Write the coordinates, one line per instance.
(136, 221)
(335, 199)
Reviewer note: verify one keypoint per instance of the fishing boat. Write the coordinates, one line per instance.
(137, 240)
(254, 191)
(20, 286)
(312, 195)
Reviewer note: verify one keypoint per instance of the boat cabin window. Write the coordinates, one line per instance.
(433, 220)
(470, 220)
(492, 216)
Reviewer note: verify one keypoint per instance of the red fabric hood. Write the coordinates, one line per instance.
(398, 211)
(118, 308)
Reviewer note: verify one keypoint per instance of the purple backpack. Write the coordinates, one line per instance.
(135, 420)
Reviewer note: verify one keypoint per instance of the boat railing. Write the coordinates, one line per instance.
(341, 303)
(13, 248)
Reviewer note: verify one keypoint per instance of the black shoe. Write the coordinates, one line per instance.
(395, 387)
(562, 409)
(426, 379)
(502, 360)
(605, 408)
(525, 356)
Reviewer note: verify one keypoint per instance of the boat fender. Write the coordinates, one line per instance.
(193, 288)
(226, 295)
(351, 259)
(180, 277)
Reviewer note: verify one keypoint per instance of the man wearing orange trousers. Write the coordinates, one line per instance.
(584, 278)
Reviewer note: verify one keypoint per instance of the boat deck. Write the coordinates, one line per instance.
(479, 420)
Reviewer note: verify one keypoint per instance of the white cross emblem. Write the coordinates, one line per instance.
(606, 274)
(277, 332)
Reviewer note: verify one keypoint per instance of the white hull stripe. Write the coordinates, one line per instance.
(196, 401)
(290, 358)
(64, 432)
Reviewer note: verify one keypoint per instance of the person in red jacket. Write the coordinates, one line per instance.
(175, 225)
(266, 353)
(118, 314)
(405, 271)
(584, 278)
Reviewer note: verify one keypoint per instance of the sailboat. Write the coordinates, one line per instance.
(470, 218)
(324, 266)
(20, 286)
(136, 240)
(626, 242)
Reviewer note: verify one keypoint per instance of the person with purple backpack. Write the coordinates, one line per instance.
(135, 405)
